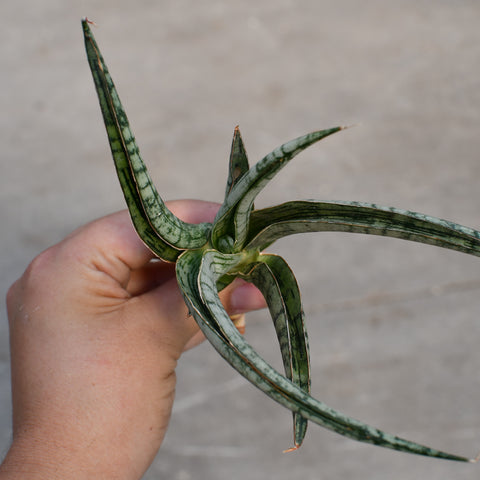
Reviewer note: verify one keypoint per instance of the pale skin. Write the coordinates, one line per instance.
(96, 330)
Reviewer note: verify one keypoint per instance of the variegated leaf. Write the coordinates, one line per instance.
(238, 162)
(242, 234)
(126, 155)
(197, 273)
(274, 278)
(233, 217)
(270, 224)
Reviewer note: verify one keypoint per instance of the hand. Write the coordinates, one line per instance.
(96, 330)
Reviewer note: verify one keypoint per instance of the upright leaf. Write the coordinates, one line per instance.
(126, 155)
(238, 163)
(233, 217)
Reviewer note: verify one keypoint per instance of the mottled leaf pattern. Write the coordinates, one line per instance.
(131, 170)
(276, 281)
(197, 272)
(272, 223)
(209, 256)
(238, 164)
(233, 217)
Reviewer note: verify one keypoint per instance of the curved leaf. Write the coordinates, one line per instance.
(201, 296)
(270, 224)
(274, 278)
(233, 217)
(200, 272)
(126, 156)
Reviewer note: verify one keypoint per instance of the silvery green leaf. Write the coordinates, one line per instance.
(233, 217)
(197, 273)
(131, 170)
(274, 278)
(202, 269)
(270, 224)
(238, 163)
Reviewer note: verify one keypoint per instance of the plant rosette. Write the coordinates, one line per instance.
(209, 256)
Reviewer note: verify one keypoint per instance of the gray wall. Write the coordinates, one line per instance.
(393, 326)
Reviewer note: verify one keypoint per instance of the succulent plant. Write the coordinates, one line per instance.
(209, 256)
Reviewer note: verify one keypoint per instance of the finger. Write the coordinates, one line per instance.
(115, 234)
(154, 274)
(241, 297)
(112, 245)
(127, 246)
(167, 311)
(196, 340)
(238, 320)
(167, 315)
(108, 240)
(194, 211)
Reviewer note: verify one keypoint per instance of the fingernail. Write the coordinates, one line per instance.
(239, 322)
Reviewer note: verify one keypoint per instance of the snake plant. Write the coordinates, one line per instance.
(209, 256)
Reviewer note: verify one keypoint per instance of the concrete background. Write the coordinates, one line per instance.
(393, 326)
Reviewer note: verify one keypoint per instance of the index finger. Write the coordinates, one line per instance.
(114, 236)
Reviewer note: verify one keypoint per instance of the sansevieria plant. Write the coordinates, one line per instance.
(209, 256)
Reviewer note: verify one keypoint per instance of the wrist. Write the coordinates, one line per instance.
(22, 464)
(41, 453)
(36, 459)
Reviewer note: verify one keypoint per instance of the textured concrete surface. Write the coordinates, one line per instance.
(394, 326)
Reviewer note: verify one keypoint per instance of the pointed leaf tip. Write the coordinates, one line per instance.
(233, 216)
(291, 449)
(238, 162)
(140, 193)
(476, 459)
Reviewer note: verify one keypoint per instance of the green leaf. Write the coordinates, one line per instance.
(120, 153)
(274, 278)
(233, 217)
(202, 271)
(197, 273)
(238, 163)
(126, 156)
(270, 224)
(187, 271)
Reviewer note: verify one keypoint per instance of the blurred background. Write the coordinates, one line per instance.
(393, 326)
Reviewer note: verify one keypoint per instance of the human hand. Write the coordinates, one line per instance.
(96, 330)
